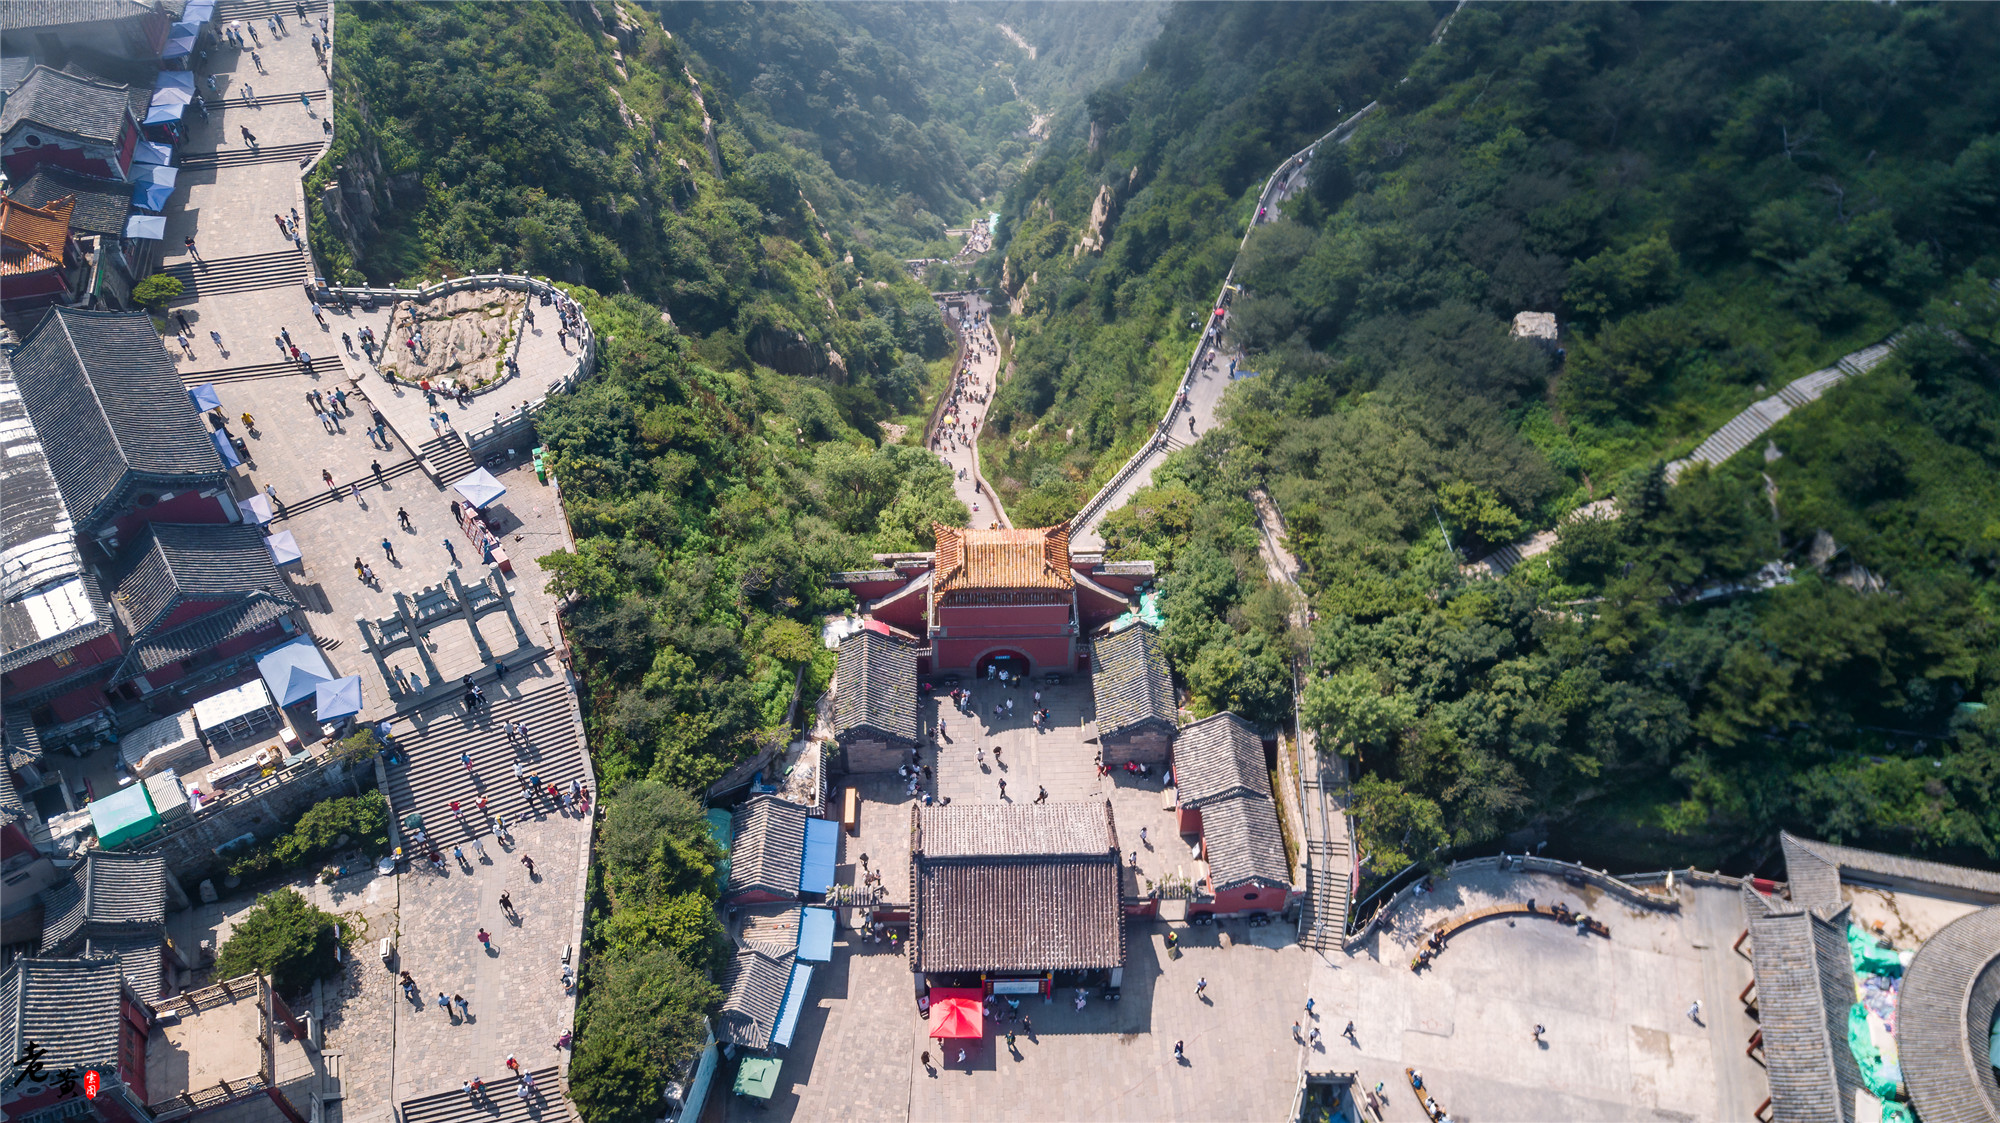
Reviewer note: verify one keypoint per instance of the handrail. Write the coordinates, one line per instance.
(1624, 886)
(1090, 509)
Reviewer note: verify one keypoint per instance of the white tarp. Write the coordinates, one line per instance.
(245, 699)
(480, 488)
(166, 742)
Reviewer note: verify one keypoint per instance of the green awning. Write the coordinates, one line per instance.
(123, 815)
(758, 1076)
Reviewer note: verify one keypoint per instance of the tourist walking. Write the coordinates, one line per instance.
(389, 548)
(506, 903)
(1200, 986)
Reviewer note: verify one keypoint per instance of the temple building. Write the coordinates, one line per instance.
(1011, 599)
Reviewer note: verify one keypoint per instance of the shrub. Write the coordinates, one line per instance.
(155, 291)
(319, 830)
(285, 937)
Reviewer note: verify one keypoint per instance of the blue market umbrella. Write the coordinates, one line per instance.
(337, 697)
(204, 397)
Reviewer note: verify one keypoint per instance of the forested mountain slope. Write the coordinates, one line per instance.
(1712, 208)
(904, 118)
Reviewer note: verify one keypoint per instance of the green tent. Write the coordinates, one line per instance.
(123, 816)
(757, 1076)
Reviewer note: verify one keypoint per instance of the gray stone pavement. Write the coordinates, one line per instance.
(389, 1050)
(1619, 1044)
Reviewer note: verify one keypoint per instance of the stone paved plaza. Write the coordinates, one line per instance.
(247, 289)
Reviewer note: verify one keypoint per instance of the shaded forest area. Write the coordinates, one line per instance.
(1712, 210)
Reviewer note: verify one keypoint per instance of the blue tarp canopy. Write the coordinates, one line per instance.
(294, 670)
(258, 507)
(204, 397)
(480, 488)
(152, 196)
(337, 697)
(165, 113)
(284, 548)
(816, 935)
(822, 847)
(199, 12)
(152, 152)
(795, 1001)
(177, 80)
(146, 225)
(224, 449)
(178, 46)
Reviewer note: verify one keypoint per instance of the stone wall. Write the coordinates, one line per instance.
(1145, 746)
(265, 808)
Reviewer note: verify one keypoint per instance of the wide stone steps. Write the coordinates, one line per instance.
(1323, 925)
(345, 494)
(241, 157)
(499, 1105)
(260, 10)
(238, 274)
(446, 458)
(430, 775)
(275, 99)
(256, 371)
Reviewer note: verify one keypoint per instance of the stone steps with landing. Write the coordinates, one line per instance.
(345, 492)
(501, 1103)
(262, 9)
(239, 157)
(238, 274)
(430, 774)
(446, 458)
(320, 367)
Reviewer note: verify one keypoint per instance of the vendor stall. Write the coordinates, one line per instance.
(236, 713)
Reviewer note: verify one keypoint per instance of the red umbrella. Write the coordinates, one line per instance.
(956, 1012)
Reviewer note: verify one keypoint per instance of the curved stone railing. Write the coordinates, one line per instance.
(1094, 506)
(1627, 888)
(586, 354)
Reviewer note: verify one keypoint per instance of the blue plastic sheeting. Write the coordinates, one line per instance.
(294, 670)
(337, 698)
(146, 226)
(204, 397)
(822, 845)
(224, 449)
(152, 152)
(174, 80)
(151, 196)
(816, 935)
(704, 1077)
(795, 1003)
(199, 12)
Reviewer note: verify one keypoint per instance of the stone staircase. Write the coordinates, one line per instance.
(1743, 430)
(238, 274)
(282, 369)
(429, 775)
(1323, 924)
(318, 499)
(260, 9)
(446, 458)
(240, 157)
(278, 99)
(499, 1105)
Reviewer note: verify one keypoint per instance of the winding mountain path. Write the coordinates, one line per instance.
(1210, 369)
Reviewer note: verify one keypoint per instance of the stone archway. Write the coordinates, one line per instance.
(1012, 661)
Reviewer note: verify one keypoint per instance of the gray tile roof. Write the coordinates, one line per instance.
(875, 688)
(11, 805)
(754, 995)
(102, 206)
(173, 563)
(770, 848)
(1016, 904)
(1805, 985)
(1816, 861)
(111, 410)
(1218, 757)
(66, 103)
(110, 892)
(37, 543)
(24, 741)
(1132, 685)
(185, 642)
(67, 1006)
(140, 954)
(1243, 846)
(1945, 1012)
(58, 13)
(14, 70)
(1014, 830)
(1812, 881)
(772, 929)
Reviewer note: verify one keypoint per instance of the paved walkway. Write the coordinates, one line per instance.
(957, 438)
(1619, 1044)
(246, 289)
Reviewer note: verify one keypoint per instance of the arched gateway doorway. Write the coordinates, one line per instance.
(1013, 662)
